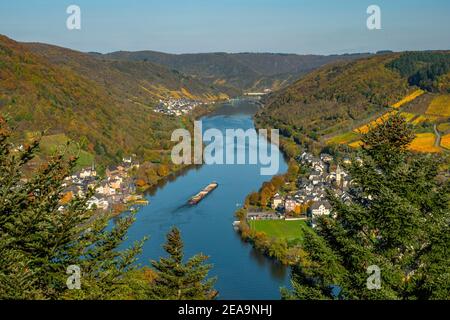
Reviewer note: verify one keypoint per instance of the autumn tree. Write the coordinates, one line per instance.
(253, 199)
(293, 170)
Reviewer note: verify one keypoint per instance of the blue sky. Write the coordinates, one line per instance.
(180, 26)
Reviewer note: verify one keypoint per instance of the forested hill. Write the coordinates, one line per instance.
(105, 105)
(242, 71)
(141, 81)
(339, 97)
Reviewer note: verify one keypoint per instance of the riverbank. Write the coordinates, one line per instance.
(273, 232)
(279, 239)
(155, 177)
(303, 193)
(271, 239)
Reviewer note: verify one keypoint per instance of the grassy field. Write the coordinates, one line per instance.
(343, 138)
(289, 230)
(408, 116)
(440, 106)
(53, 143)
(409, 98)
(424, 142)
(444, 127)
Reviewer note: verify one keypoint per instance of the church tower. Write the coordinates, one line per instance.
(338, 176)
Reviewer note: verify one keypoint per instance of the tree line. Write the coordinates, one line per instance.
(423, 69)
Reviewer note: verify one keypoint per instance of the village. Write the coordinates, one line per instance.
(309, 200)
(177, 107)
(112, 193)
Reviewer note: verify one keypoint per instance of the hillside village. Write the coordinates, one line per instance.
(309, 200)
(111, 193)
(177, 107)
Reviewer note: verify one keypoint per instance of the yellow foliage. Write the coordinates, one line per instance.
(440, 106)
(175, 94)
(443, 127)
(356, 144)
(408, 98)
(408, 116)
(154, 93)
(364, 129)
(187, 94)
(343, 138)
(445, 142)
(424, 142)
(66, 198)
(223, 96)
(424, 118)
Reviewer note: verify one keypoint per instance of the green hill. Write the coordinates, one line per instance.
(107, 106)
(140, 81)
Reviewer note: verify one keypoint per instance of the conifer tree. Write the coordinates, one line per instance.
(176, 280)
(397, 219)
(39, 240)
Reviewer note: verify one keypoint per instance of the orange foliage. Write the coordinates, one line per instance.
(66, 198)
(424, 142)
(445, 142)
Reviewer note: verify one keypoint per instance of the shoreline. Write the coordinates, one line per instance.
(150, 189)
(259, 243)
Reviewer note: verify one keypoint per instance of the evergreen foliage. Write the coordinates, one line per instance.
(423, 69)
(177, 280)
(39, 240)
(397, 219)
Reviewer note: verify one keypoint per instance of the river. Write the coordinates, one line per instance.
(242, 272)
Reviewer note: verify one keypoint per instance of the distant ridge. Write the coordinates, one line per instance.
(242, 71)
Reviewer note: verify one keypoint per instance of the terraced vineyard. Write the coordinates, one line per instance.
(436, 112)
(408, 98)
(425, 142)
(366, 128)
(440, 106)
(333, 105)
(445, 142)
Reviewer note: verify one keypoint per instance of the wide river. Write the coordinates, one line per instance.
(242, 272)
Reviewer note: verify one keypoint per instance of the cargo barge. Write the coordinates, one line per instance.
(202, 194)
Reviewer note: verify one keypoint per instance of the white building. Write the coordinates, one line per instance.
(290, 205)
(277, 201)
(97, 203)
(89, 172)
(319, 209)
(106, 189)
